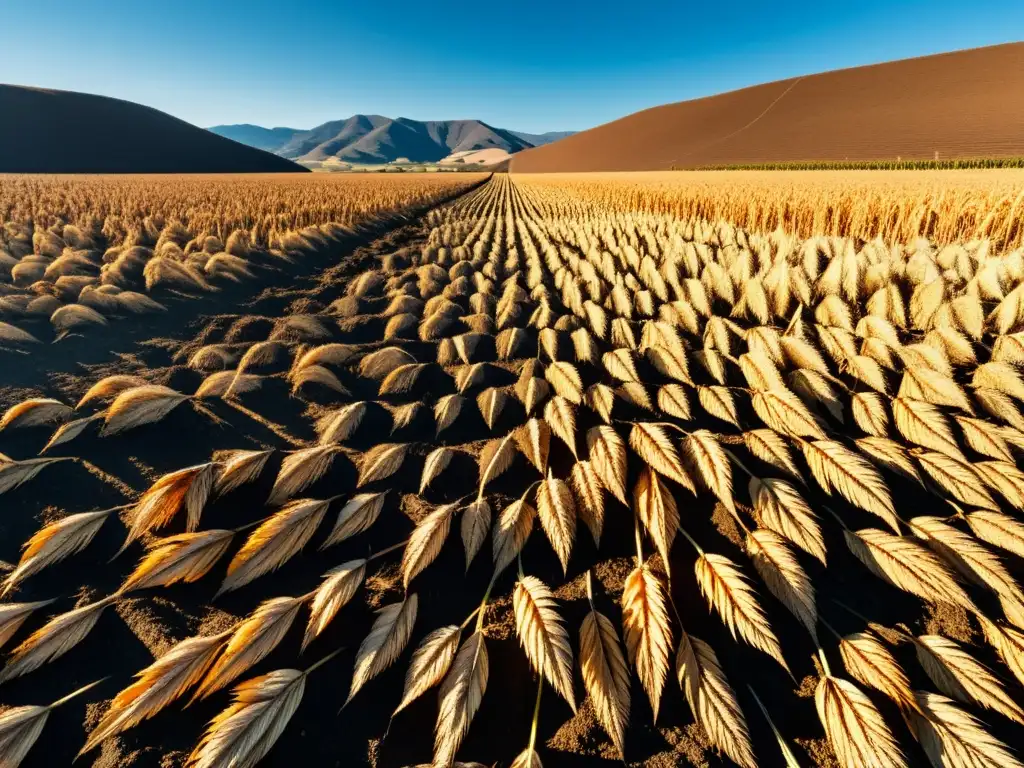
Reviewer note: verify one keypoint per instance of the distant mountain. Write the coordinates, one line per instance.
(333, 138)
(373, 139)
(267, 139)
(540, 139)
(44, 131)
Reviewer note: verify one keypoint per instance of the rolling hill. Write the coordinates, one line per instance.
(373, 139)
(45, 131)
(960, 104)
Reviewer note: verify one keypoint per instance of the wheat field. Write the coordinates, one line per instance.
(710, 469)
(80, 250)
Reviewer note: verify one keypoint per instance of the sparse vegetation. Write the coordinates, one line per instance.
(712, 438)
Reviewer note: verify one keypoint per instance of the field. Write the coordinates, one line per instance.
(98, 245)
(390, 470)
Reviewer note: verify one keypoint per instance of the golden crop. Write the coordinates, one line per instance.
(137, 208)
(768, 449)
(77, 250)
(897, 207)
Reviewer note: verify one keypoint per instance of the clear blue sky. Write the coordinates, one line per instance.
(530, 66)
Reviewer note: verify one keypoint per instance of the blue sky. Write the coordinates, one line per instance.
(530, 66)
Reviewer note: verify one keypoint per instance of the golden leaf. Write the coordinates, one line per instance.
(426, 541)
(339, 585)
(608, 458)
(605, 675)
(543, 636)
(589, 493)
(951, 736)
(712, 700)
(159, 684)
(430, 663)
(870, 663)
(647, 632)
(854, 727)
(476, 524)
(958, 675)
(560, 415)
(651, 444)
(656, 507)
(836, 467)
(436, 463)
(459, 698)
(251, 641)
(771, 448)
(510, 534)
(557, 513)
(387, 639)
(907, 565)
(781, 509)
(729, 593)
(783, 575)
(275, 542)
(358, 514)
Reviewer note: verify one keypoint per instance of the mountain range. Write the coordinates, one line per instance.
(373, 139)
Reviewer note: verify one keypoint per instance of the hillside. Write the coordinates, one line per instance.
(961, 104)
(45, 131)
(373, 139)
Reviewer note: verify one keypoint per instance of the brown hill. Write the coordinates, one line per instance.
(961, 104)
(45, 131)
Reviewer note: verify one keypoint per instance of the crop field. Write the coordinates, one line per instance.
(78, 251)
(658, 469)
